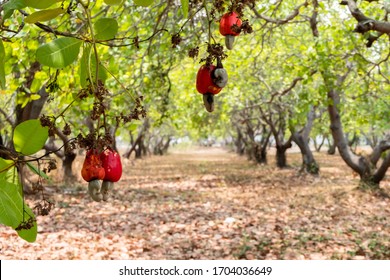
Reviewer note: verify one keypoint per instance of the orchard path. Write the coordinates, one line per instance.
(208, 203)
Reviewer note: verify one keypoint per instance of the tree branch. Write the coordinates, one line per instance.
(381, 171)
(8, 118)
(365, 23)
(383, 146)
(281, 21)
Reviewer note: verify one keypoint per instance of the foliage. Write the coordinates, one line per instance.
(29, 138)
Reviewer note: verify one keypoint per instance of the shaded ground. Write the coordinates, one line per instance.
(211, 204)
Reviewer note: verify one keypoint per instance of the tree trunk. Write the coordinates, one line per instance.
(137, 145)
(302, 139)
(166, 145)
(260, 149)
(133, 147)
(370, 175)
(67, 163)
(144, 148)
(157, 149)
(33, 108)
(281, 158)
(260, 153)
(239, 143)
(309, 164)
(318, 146)
(331, 147)
(160, 147)
(4, 151)
(139, 148)
(250, 153)
(359, 164)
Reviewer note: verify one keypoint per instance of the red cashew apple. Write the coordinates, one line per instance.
(204, 80)
(225, 28)
(92, 172)
(209, 81)
(112, 165)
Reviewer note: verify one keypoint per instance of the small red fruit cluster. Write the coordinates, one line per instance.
(106, 166)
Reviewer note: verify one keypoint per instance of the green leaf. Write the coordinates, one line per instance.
(106, 28)
(184, 7)
(132, 127)
(35, 96)
(112, 2)
(39, 4)
(59, 53)
(5, 164)
(143, 3)
(2, 65)
(88, 67)
(29, 137)
(34, 169)
(44, 15)
(12, 5)
(11, 208)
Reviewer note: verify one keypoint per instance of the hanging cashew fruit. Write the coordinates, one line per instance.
(92, 172)
(112, 165)
(210, 80)
(229, 27)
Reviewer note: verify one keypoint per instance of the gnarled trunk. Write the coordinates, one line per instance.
(309, 164)
(281, 158)
(239, 143)
(331, 148)
(318, 146)
(138, 146)
(260, 153)
(302, 139)
(366, 167)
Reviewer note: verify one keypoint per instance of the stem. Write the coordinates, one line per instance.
(89, 69)
(94, 47)
(66, 108)
(85, 5)
(20, 173)
(122, 86)
(190, 17)
(98, 128)
(209, 21)
(7, 168)
(45, 155)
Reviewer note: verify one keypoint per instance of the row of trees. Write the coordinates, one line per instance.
(313, 73)
(95, 72)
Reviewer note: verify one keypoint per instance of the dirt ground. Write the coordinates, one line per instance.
(208, 203)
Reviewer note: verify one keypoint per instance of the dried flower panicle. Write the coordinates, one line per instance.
(175, 40)
(87, 142)
(43, 207)
(194, 52)
(136, 114)
(246, 27)
(26, 224)
(48, 121)
(215, 52)
(66, 130)
(50, 165)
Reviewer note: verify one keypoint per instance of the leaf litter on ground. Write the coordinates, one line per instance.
(212, 204)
